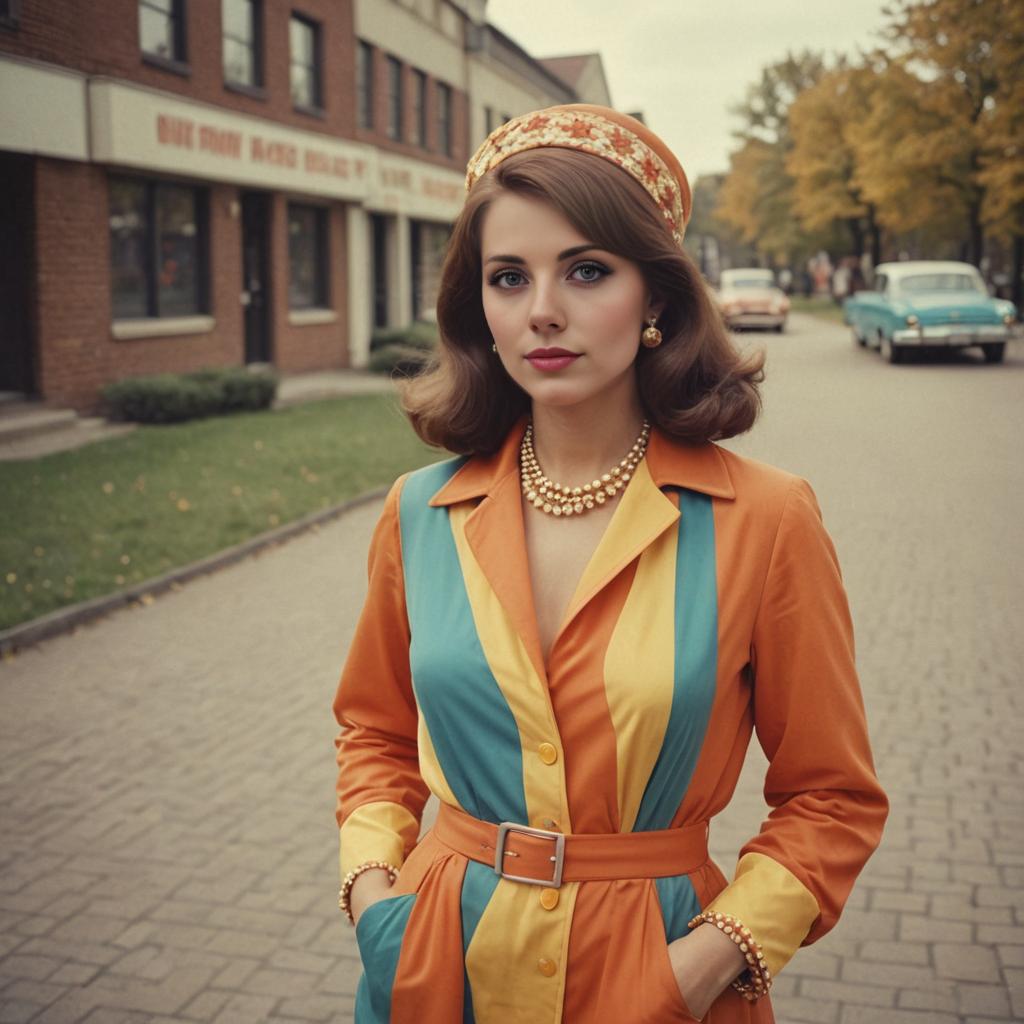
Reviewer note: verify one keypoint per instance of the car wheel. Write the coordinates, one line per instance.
(859, 338)
(890, 353)
(994, 353)
(779, 328)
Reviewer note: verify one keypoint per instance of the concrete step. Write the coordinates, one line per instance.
(26, 417)
(30, 428)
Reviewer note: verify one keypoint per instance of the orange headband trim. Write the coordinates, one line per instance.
(593, 133)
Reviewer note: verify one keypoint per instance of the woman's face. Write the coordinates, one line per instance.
(546, 286)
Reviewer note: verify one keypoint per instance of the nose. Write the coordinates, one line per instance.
(546, 313)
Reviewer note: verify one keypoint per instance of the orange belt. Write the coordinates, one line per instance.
(550, 858)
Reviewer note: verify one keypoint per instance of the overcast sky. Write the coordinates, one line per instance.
(683, 62)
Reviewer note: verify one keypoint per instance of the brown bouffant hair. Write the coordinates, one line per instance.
(695, 386)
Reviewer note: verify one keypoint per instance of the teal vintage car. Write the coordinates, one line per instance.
(923, 303)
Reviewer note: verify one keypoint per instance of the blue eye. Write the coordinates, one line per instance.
(594, 272)
(501, 278)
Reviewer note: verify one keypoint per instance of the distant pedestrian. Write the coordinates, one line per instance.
(574, 671)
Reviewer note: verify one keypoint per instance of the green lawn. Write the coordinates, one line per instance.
(817, 306)
(104, 517)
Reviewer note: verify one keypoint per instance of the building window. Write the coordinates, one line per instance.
(418, 129)
(307, 257)
(242, 44)
(9, 13)
(364, 83)
(304, 37)
(428, 244)
(394, 98)
(158, 243)
(162, 29)
(444, 118)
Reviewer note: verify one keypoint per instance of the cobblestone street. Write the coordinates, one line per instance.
(168, 849)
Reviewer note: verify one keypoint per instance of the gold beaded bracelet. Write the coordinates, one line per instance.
(348, 881)
(755, 981)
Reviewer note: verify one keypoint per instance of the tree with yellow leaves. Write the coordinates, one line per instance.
(756, 198)
(926, 147)
(823, 123)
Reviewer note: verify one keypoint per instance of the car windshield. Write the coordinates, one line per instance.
(747, 282)
(947, 282)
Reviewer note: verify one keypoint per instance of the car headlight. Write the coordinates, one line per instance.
(1008, 319)
(912, 321)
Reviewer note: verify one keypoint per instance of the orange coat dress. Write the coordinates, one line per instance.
(712, 607)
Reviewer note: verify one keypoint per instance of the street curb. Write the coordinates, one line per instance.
(63, 620)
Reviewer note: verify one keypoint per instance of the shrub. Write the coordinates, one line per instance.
(175, 397)
(398, 358)
(418, 335)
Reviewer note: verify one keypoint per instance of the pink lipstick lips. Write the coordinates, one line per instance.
(551, 358)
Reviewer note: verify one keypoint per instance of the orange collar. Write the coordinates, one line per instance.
(696, 467)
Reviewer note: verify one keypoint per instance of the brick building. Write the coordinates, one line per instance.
(194, 183)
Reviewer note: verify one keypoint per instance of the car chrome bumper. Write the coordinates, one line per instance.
(952, 334)
(755, 319)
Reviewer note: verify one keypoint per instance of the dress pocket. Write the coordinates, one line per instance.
(379, 933)
(681, 1012)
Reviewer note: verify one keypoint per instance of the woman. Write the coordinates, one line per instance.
(587, 664)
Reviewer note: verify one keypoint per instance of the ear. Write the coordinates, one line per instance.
(655, 307)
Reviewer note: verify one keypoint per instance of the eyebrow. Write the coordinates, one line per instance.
(563, 255)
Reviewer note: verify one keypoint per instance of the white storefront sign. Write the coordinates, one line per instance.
(48, 112)
(42, 110)
(136, 127)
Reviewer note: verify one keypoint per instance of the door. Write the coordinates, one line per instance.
(17, 261)
(379, 230)
(255, 276)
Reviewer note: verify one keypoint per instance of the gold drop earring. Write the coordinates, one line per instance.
(651, 336)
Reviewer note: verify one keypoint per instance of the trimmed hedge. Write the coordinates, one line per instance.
(419, 335)
(402, 350)
(175, 397)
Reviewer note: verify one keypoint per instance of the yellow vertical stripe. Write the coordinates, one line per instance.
(639, 672)
(514, 934)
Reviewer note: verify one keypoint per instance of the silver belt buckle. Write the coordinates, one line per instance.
(558, 838)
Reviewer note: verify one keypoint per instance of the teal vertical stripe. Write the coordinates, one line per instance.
(475, 735)
(679, 905)
(477, 889)
(379, 935)
(696, 663)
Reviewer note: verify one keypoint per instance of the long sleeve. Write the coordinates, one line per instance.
(380, 794)
(828, 808)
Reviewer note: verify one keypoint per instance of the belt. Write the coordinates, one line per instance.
(551, 858)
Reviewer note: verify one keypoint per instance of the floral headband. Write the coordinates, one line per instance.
(602, 132)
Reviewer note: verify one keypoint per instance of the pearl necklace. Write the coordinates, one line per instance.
(557, 500)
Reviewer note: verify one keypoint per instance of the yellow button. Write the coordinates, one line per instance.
(547, 752)
(546, 967)
(549, 898)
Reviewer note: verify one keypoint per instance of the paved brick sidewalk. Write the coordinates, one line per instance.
(168, 850)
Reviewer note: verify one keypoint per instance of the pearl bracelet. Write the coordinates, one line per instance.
(348, 881)
(755, 981)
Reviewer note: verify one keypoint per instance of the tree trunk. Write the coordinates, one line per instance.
(875, 234)
(856, 235)
(1017, 285)
(976, 235)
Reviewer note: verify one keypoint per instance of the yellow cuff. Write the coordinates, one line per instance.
(773, 903)
(380, 831)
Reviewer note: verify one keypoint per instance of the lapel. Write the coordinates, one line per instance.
(495, 530)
